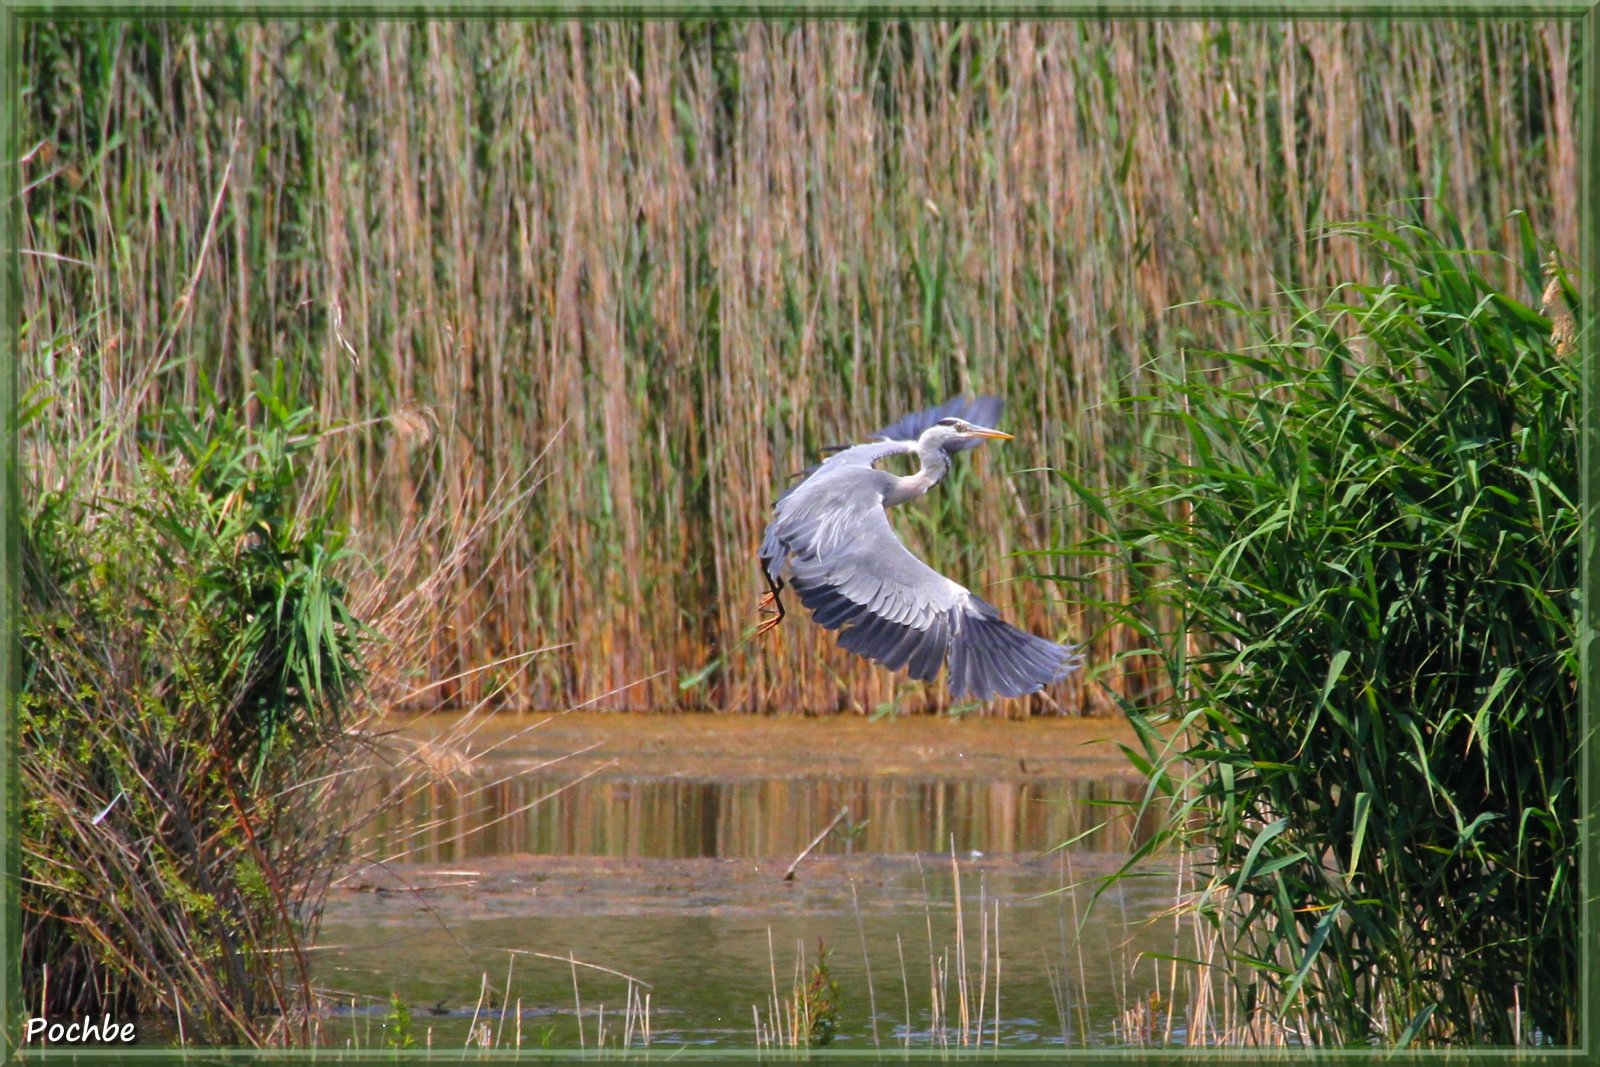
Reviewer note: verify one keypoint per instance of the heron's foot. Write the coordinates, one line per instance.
(769, 603)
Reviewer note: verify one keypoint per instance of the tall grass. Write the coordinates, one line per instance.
(200, 654)
(675, 258)
(1360, 573)
(189, 655)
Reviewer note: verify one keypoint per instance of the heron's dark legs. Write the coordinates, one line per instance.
(771, 600)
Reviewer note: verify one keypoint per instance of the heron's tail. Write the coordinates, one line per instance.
(990, 657)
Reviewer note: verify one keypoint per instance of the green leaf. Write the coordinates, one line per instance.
(1291, 988)
(1363, 809)
(1268, 832)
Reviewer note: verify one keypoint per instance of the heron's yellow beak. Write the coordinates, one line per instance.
(998, 435)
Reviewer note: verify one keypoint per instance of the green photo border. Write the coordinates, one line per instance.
(15, 15)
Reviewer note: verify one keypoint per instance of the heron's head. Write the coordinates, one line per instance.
(959, 433)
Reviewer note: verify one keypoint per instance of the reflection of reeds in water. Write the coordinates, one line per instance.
(683, 256)
(464, 816)
(454, 800)
(953, 974)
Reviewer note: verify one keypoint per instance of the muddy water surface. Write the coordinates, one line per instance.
(656, 847)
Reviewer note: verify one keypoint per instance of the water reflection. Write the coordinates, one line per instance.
(709, 938)
(562, 837)
(677, 818)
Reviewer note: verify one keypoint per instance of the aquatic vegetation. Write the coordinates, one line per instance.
(1358, 572)
(397, 1026)
(818, 1003)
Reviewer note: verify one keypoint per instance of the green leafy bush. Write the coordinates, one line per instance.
(187, 655)
(1367, 551)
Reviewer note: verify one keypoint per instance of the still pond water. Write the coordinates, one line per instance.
(538, 875)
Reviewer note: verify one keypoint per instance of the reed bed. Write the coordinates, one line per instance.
(676, 258)
(1370, 748)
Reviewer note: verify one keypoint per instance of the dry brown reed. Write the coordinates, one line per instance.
(677, 258)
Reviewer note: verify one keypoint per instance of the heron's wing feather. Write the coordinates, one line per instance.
(983, 410)
(856, 556)
(842, 557)
(994, 658)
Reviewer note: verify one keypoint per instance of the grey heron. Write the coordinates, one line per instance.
(831, 541)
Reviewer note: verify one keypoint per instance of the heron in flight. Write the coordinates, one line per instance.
(830, 539)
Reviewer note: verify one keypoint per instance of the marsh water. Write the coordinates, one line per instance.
(521, 878)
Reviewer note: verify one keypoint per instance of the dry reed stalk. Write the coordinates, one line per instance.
(866, 962)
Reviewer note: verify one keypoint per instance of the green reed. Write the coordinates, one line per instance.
(1358, 573)
(189, 657)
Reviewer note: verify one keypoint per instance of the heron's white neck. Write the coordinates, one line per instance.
(935, 462)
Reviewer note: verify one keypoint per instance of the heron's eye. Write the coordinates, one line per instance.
(951, 422)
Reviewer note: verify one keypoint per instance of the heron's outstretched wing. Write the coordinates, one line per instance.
(983, 410)
(834, 543)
